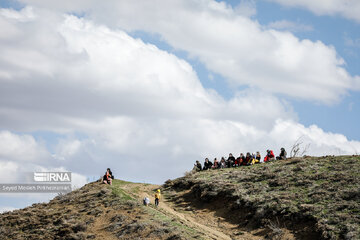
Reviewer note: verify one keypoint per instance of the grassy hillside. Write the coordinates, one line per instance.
(302, 198)
(96, 211)
(309, 198)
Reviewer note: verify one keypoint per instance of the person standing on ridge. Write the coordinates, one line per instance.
(157, 197)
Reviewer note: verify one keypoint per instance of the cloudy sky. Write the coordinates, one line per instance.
(148, 87)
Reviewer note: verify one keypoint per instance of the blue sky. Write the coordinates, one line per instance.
(342, 117)
(85, 88)
(332, 30)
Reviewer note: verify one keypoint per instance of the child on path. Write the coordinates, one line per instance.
(157, 197)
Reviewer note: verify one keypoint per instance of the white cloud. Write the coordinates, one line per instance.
(246, 8)
(21, 148)
(346, 8)
(67, 148)
(230, 44)
(290, 26)
(321, 143)
(143, 111)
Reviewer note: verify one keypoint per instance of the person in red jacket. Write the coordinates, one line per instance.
(269, 155)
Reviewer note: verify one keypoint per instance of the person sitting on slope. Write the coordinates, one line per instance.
(207, 164)
(282, 155)
(249, 159)
(197, 166)
(216, 164)
(257, 157)
(108, 177)
(269, 156)
(222, 163)
(231, 160)
(241, 160)
(157, 197)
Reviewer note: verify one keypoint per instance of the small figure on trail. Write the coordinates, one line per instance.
(282, 155)
(207, 164)
(257, 157)
(222, 163)
(146, 201)
(269, 156)
(197, 166)
(108, 177)
(157, 197)
(216, 164)
(231, 160)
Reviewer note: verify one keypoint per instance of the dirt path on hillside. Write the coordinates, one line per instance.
(205, 222)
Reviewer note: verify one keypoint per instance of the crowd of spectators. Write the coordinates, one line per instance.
(242, 160)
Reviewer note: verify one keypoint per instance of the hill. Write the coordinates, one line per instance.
(96, 211)
(302, 198)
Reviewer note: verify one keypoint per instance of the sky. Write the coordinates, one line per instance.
(148, 87)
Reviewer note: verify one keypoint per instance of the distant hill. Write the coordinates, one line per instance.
(300, 198)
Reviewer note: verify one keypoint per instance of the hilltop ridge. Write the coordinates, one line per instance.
(299, 198)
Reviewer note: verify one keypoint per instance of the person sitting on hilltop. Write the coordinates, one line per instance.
(231, 160)
(222, 163)
(257, 157)
(236, 163)
(241, 159)
(157, 197)
(248, 159)
(197, 166)
(108, 177)
(216, 164)
(269, 156)
(207, 164)
(282, 155)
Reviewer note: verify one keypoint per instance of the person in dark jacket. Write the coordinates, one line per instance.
(282, 155)
(231, 160)
(248, 159)
(108, 177)
(241, 159)
(257, 157)
(207, 164)
(197, 166)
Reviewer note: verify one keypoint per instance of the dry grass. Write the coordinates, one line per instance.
(311, 195)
